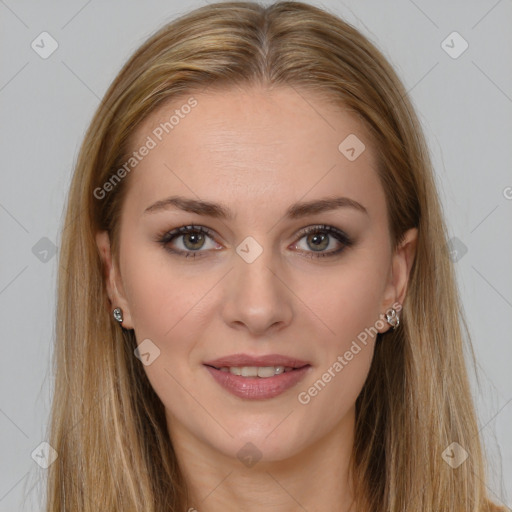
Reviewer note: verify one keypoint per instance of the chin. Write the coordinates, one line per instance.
(261, 441)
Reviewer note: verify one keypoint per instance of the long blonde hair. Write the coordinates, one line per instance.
(107, 423)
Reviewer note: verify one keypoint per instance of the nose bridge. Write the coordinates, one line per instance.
(254, 262)
(257, 295)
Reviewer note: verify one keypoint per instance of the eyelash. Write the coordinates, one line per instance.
(165, 238)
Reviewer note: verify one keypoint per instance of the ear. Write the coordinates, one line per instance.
(398, 278)
(112, 276)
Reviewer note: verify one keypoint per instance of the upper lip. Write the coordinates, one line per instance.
(240, 360)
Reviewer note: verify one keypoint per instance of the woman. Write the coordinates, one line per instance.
(255, 303)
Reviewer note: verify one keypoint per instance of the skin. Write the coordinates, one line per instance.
(257, 151)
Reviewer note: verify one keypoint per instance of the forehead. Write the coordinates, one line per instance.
(254, 146)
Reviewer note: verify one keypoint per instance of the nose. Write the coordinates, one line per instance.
(256, 296)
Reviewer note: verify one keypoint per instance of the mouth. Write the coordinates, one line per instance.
(262, 372)
(257, 377)
(276, 361)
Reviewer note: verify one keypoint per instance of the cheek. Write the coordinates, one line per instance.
(346, 300)
(349, 308)
(149, 296)
(159, 293)
(165, 305)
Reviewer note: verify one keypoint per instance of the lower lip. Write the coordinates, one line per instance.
(257, 388)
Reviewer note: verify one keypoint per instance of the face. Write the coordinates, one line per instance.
(279, 276)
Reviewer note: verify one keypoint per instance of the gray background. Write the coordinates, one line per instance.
(464, 103)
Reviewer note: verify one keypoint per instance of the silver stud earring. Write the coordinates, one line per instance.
(393, 319)
(118, 314)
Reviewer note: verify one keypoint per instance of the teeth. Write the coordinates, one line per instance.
(256, 371)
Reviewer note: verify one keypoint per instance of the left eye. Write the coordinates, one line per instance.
(319, 237)
(193, 240)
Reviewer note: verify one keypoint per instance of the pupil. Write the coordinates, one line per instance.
(318, 239)
(196, 238)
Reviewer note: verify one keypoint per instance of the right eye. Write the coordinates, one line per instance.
(192, 240)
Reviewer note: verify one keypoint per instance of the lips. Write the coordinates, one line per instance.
(256, 388)
(240, 360)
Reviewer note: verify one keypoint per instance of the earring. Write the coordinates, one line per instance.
(118, 314)
(393, 319)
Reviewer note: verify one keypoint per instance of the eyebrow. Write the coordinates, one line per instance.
(219, 211)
